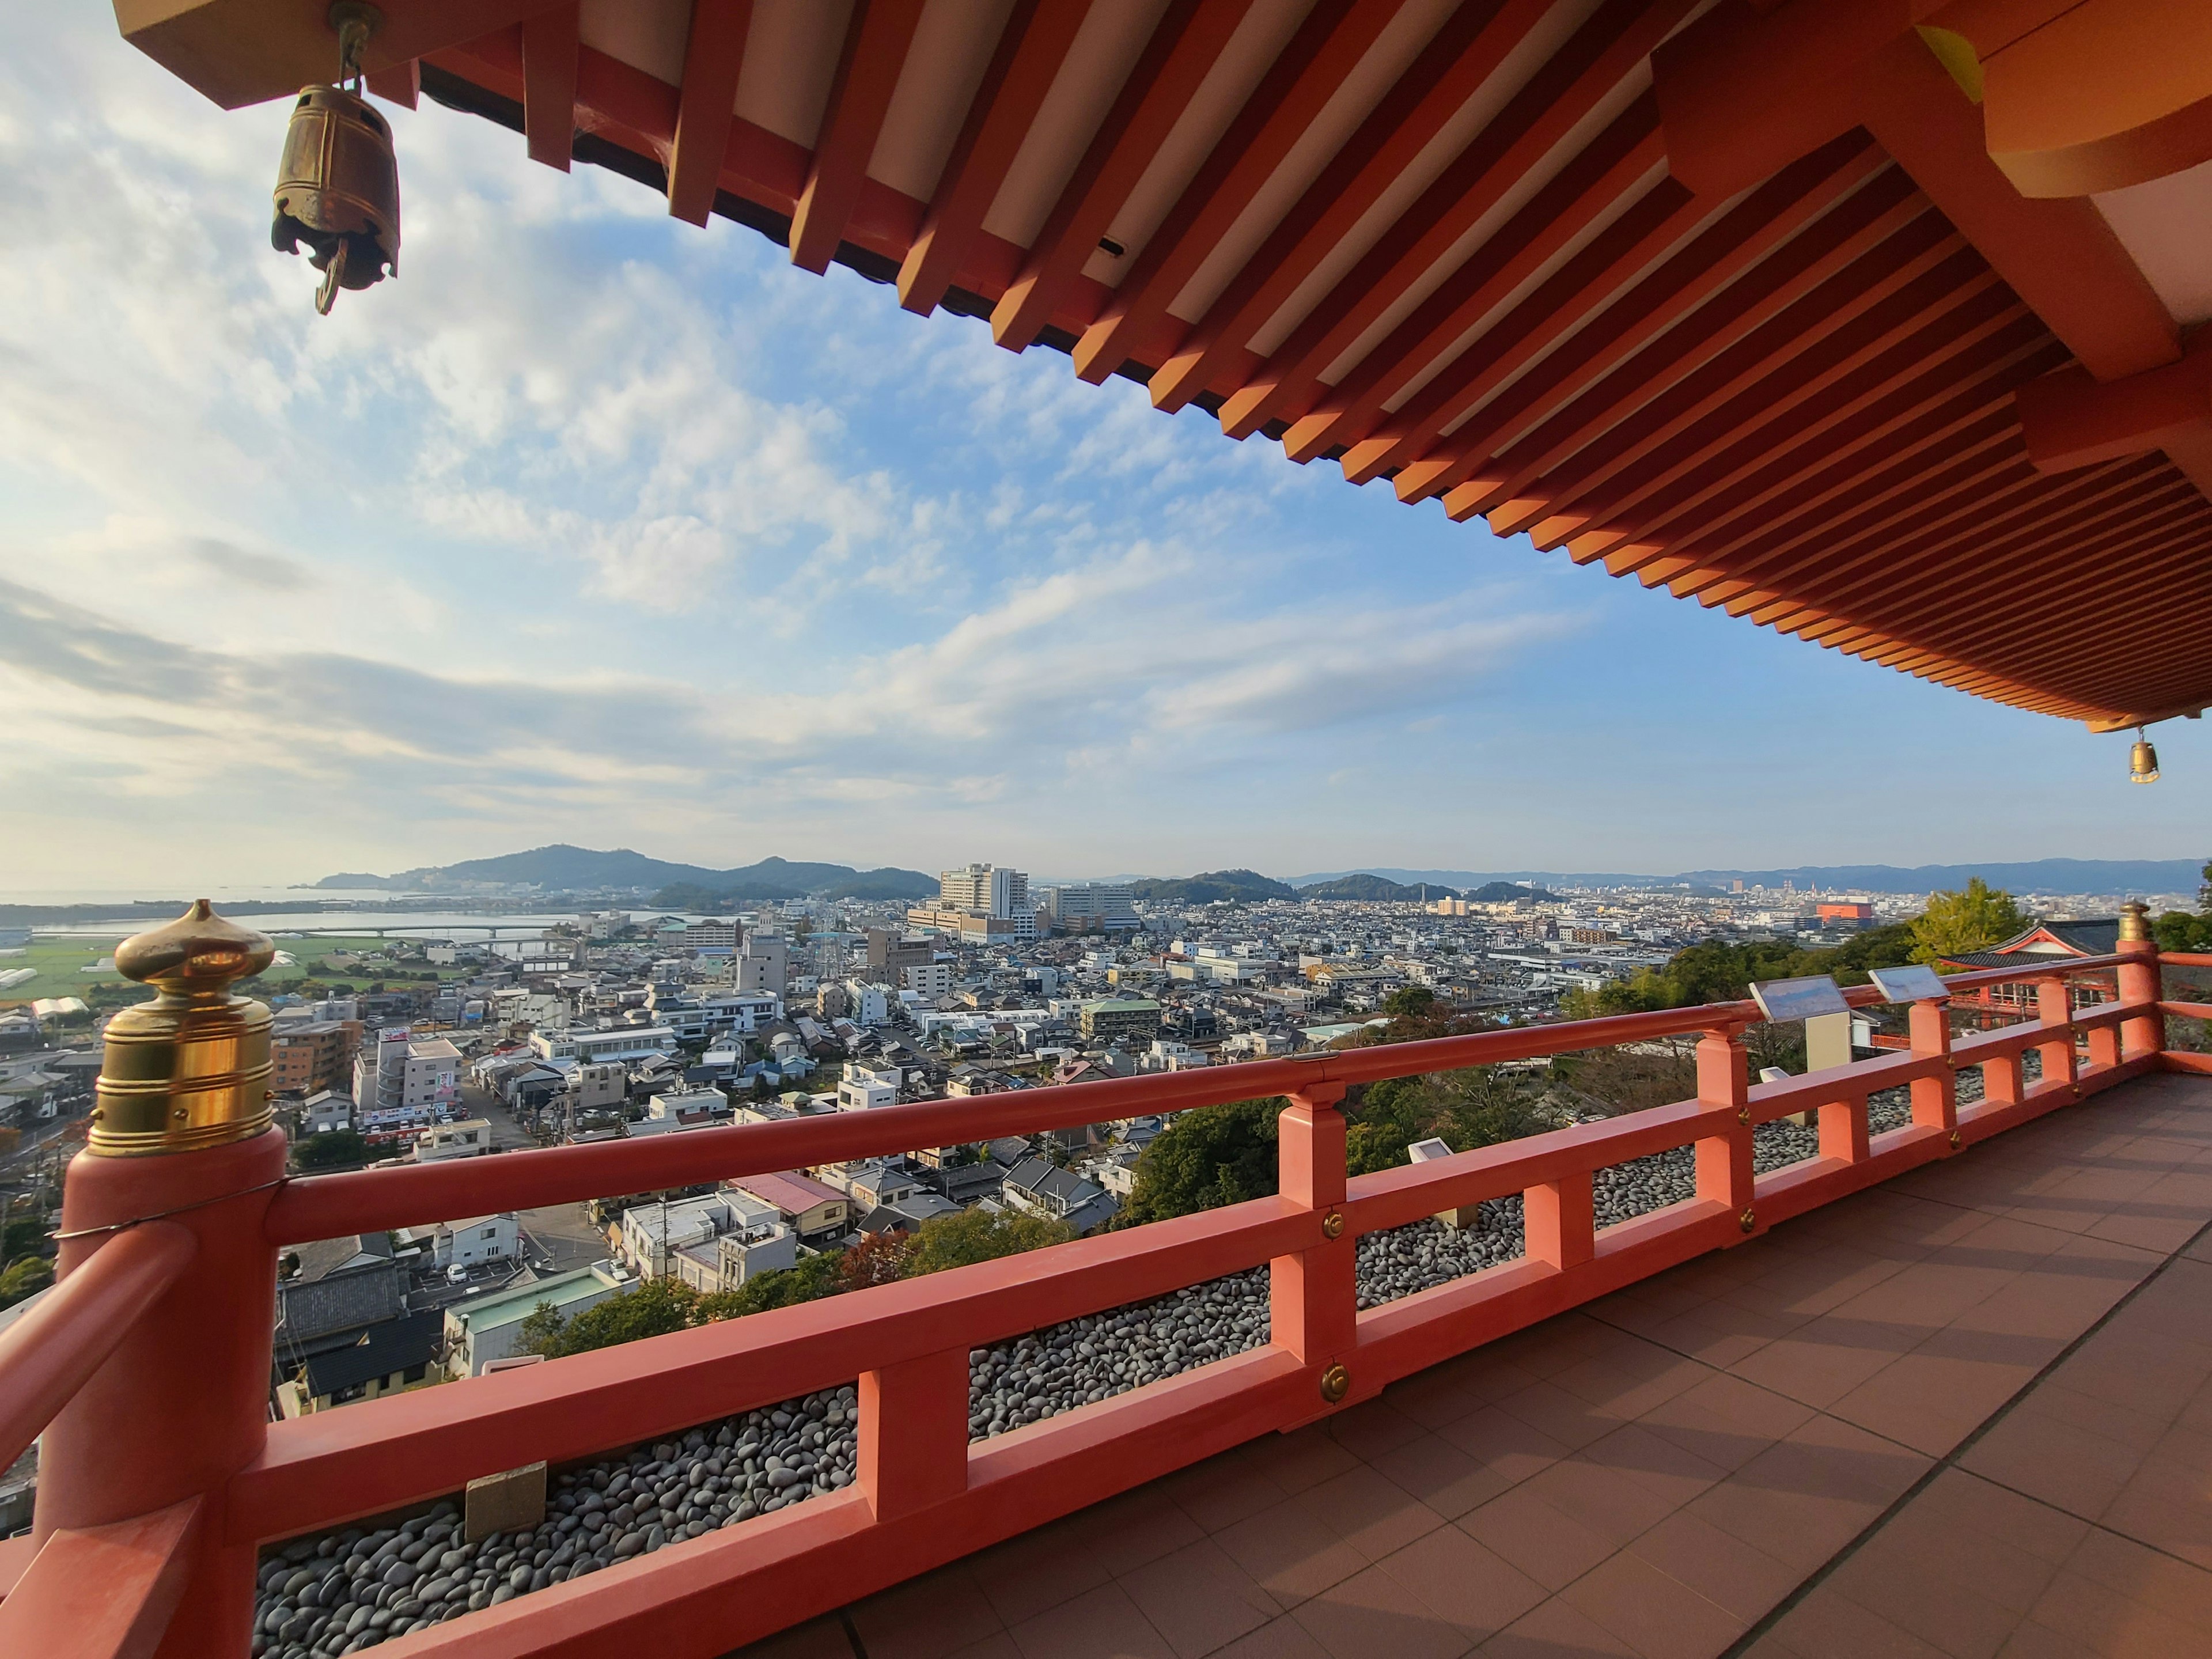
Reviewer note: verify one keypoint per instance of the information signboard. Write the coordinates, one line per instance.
(1916, 983)
(1800, 998)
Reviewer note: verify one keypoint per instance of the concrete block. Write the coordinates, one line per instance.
(513, 1502)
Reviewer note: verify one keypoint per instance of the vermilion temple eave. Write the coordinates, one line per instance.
(1870, 322)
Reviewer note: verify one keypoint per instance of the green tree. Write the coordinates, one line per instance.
(1972, 919)
(1207, 1157)
(25, 1278)
(334, 1150)
(25, 1235)
(958, 1241)
(810, 1279)
(2181, 930)
(653, 1308)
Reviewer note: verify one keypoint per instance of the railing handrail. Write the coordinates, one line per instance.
(367, 1201)
(53, 1350)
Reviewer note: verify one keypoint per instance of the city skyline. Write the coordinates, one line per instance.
(686, 551)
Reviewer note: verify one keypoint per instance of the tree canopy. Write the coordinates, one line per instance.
(1209, 1156)
(334, 1149)
(1973, 919)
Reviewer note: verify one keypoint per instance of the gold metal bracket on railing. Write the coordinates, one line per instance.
(1332, 1224)
(1748, 1220)
(1335, 1382)
(188, 1070)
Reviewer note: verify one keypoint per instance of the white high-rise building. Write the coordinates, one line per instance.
(985, 890)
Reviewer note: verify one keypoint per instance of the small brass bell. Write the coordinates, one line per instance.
(2142, 760)
(337, 185)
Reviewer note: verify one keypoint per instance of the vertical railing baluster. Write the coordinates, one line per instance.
(1559, 1220)
(1725, 1159)
(913, 1433)
(2054, 1012)
(1935, 1099)
(1313, 1294)
(1844, 1129)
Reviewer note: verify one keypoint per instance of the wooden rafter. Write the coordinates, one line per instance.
(714, 56)
(876, 42)
(1030, 51)
(1190, 36)
(549, 81)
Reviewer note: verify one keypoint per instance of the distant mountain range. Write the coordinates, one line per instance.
(564, 869)
(2037, 876)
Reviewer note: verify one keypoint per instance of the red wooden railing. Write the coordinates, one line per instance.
(164, 1446)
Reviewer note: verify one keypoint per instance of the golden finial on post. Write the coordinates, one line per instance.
(2134, 922)
(188, 1070)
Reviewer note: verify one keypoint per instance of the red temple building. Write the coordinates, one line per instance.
(1878, 323)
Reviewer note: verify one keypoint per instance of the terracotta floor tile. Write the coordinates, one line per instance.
(1441, 1475)
(1725, 1420)
(1808, 1496)
(926, 1618)
(1615, 1508)
(1926, 1598)
(1123, 1533)
(1223, 1491)
(1291, 1552)
(1827, 1358)
(1550, 1548)
(1197, 1598)
(1649, 1460)
(1733, 1575)
(1929, 1400)
(1556, 1631)
(818, 1639)
(1372, 1428)
(1827, 1626)
(1432, 1398)
(1304, 1457)
(1371, 1615)
(1659, 1616)
(1037, 1570)
(2057, 1462)
(1551, 1410)
(1371, 1513)
(999, 1645)
(1505, 1443)
(1280, 1638)
(1104, 1623)
(1475, 1588)
(2113, 1625)
(2143, 1574)
(2034, 1641)
(1966, 1503)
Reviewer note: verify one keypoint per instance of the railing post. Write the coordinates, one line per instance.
(2054, 1011)
(1313, 1297)
(1935, 1099)
(1725, 1159)
(2141, 982)
(1560, 1221)
(913, 1433)
(1844, 1129)
(182, 1130)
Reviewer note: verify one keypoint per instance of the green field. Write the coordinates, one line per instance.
(61, 965)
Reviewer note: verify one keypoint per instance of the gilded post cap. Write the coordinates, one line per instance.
(2134, 922)
(190, 1069)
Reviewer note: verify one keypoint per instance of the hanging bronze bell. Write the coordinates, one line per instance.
(337, 191)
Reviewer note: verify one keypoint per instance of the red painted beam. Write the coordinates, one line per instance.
(1031, 49)
(1461, 55)
(2069, 419)
(1326, 48)
(1570, 85)
(549, 85)
(706, 109)
(103, 1592)
(1187, 39)
(876, 42)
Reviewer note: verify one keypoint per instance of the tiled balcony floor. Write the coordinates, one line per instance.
(1855, 1420)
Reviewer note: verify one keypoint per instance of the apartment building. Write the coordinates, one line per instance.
(306, 1056)
(401, 1080)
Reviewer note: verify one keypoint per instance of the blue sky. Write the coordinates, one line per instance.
(598, 527)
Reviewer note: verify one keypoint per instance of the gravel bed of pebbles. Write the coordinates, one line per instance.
(338, 1593)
